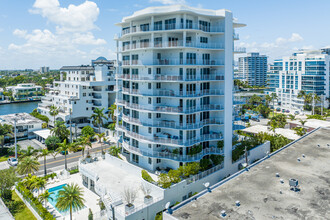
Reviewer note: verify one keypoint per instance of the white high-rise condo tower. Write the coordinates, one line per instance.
(175, 71)
(305, 70)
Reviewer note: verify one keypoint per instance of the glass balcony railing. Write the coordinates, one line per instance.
(174, 124)
(166, 154)
(164, 77)
(168, 109)
(171, 139)
(167, 62)
(172, 93)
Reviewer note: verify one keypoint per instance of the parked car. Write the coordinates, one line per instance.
(287, 111)
(12, 161)
(296, 112)
(255, 119)
(63, 152)
(278, 109)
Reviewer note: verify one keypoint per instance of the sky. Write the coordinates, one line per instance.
(54, 33)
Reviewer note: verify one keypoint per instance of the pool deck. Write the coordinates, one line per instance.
(91, 199)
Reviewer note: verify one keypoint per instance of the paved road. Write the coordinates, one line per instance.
(58, 163)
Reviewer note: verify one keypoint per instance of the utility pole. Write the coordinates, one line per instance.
(15, 120)
(246, 156)
(70, 127)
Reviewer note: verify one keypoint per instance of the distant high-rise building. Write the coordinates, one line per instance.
(303, 71)
(44, 69)
(253, 69)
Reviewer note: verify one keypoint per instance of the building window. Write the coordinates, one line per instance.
(149, 85)
(158, 145)
(135, 158)
(158, 115)
(158, 85)
(149, 145)
(149, 100)
(204, 40)
(158, 71)
(158, 25)
(149, 70)
(84, 94)
(159, 160)
(149, 160)
(149, 130)
(149, 115)
(86, 109)
(158, 130)
(158, 100)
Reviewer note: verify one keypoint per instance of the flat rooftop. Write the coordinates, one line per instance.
(263, 196)
(288, 133)
(22, 119)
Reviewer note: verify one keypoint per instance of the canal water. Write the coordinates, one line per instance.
(18, 108)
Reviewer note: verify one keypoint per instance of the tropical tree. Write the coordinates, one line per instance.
(85, 141)
(274, 97)
(111, 112)
(98, 117)
(88, 131)
(100, 136)
(30, 151)
(54, 111)
(114, 151)
(302, 122)
(27, 165)
(44, 197)
(307, 98)
(39, 184)
(268, 99)
(29, 181)
(70, 198)
(5, 131)
(60, 130)
(65, 147)
(44, 153)
(315, 99)
(273, 124)
(255, 99)
(51, 142)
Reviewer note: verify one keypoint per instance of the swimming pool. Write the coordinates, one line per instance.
(53, 201)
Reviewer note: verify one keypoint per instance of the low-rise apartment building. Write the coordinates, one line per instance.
(85, 88)
(25, 90)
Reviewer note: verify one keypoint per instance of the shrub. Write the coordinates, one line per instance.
(189, 169)
(164, 181)
(34, 202)
(319, 117)
(205, 163)
(51, 142)
(73, 171)
(216, 159)
(220, 144)
(36, 114)
(88, 131)
(90, 215)
(174, 176)
(146, 176)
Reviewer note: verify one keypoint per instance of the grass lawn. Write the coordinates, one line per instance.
(22, 212)
(4, 158)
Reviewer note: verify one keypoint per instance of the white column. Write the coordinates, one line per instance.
(228, 111)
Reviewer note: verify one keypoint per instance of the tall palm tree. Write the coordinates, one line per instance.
(65, 147)
(273, 96)
(29, 181)
(60, 130)
(27, 165)
(268, 99)
(70, 198)
(44, 197)
(54, 111)
(100, 136)
(85, 142)
(43, 153)
(302, 122)
(315, 99)
(39, 184)
(30, 151)
(98, 117)
(273, 124)
(114, 151)
(111, 112)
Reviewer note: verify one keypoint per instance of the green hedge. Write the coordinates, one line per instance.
(73, 171)
(146, 176)
(36, 114)
(34, 202)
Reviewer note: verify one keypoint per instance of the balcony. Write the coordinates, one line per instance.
(166, 154)
(174, 124)
(236, 36)
(239, 50)
(172, 93)
(170, 139)
(158, 28)
(163, 77)
(174, 62)
(171, 44)
(167, 109)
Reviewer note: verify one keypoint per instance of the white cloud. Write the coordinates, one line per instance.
(19, 33)
(169, 2)
(87, 39)
(73, 18)
(280, 47)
